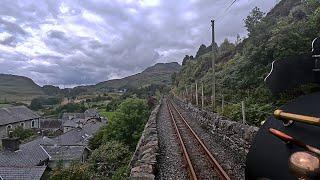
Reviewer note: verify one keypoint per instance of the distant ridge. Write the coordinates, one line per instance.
(20, 88)
(158, 74)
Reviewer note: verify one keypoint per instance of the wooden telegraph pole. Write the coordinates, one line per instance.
(213, 69)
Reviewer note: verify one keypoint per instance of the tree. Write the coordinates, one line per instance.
(36, 104)
(22, 134)
(74, 172)
(238, 40)
(108, 159)
(185, 60)
(253, 19)
(128, 122)
(202, 50)
(226, 47)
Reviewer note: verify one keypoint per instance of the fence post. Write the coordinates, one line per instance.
(187, 94)
(202, 98)
(222, 104)
(243, 112)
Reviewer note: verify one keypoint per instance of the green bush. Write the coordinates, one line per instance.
(110, 159)
(74, 172)
(23, 134)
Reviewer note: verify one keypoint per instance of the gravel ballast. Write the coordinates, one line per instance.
(170, 160)
(230, 160)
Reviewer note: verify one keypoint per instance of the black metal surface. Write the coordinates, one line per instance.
(268, 156)
(316, 46)
(289, 73)
(294, 71)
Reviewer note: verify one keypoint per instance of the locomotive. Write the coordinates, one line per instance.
(287, 145)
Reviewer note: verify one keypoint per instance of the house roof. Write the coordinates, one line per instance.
(50, 123)
(79, 135)
(91, 113)
(58, 152)
(66, 116)
(16, 114)
(70, 123)
(35, 152)
(73, 122)
(29, 154)
(22, 173)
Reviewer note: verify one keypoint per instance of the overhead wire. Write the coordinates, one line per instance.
(225, 12)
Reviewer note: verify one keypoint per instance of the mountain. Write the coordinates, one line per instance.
(287, 30)
(13, 87)
(19, 88)
(159, 74)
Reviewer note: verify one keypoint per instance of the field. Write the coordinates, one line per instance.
(107, 114)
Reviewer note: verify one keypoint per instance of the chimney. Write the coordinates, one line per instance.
(10, 144)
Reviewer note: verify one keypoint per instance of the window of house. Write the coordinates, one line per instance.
(33, 123)
(22, 124)
(9, 127)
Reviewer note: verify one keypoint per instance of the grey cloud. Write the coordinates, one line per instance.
(9, 41)
(11, 27)
(118, 38)
(56, 34)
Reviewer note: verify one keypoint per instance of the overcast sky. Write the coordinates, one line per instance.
(75, 42)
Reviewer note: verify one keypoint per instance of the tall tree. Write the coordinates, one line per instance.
(202, 50)
(185, 59)
(253, 19)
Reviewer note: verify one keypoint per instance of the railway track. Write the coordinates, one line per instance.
(199, 162)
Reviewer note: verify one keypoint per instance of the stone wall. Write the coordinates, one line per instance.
(143, 163)
(234, 135)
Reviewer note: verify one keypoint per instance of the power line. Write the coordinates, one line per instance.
(225, 12)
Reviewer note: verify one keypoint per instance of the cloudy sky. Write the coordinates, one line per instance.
(75, 42)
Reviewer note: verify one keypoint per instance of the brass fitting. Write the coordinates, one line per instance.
(280, 114)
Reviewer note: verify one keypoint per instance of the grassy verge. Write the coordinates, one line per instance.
(107, 114)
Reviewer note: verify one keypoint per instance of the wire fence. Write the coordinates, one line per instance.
(205, 103)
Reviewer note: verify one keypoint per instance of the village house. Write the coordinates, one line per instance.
(45, 153)
(12, 117)
(78, 120)
(51, 126)
(25, 173)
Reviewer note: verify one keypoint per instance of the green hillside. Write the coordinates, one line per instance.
(159, 74)
(18, 88)
(287, 30)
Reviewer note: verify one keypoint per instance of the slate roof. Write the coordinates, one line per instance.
(57, 152)
(50, 123)
(22, 173)
(16, 114)
(29, 154)
(66, 116)
(34, 153)
(74, 122)
(91, 113)
(70, 123)
(79, 136)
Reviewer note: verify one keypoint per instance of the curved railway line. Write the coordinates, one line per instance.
(199, 162)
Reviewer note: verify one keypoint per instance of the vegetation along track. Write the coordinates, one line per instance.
(199, 161)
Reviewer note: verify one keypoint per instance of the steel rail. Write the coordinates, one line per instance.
(184, 149)
(214, 162)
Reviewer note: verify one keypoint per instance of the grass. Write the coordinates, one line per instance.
(107, 114)
(5, 105)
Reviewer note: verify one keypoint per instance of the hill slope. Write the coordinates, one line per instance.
(14, 88)
(159, 74)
